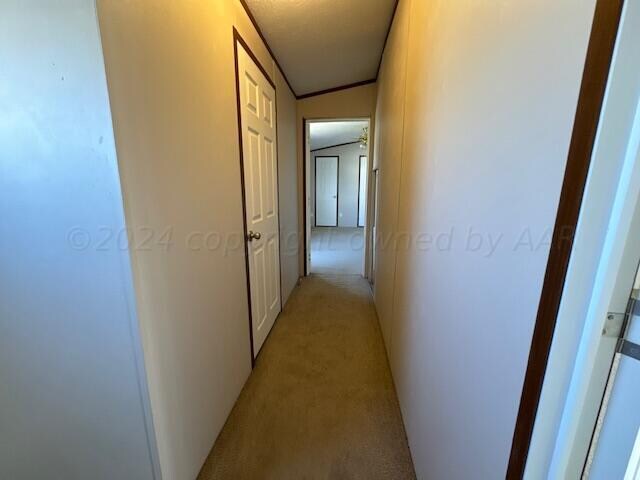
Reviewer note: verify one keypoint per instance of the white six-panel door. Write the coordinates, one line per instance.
(258, 123)
(326, 191)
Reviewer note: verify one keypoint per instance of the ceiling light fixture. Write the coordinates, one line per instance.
(364, 137)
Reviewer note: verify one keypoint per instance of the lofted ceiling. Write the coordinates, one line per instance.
(325, 134)
(324, 44)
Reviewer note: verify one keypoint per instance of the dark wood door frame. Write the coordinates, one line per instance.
(315, 189)
(604, 31)
(237, 39)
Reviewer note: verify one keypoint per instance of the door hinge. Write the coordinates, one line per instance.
(629, 349)
(613, 325)
(616, 322)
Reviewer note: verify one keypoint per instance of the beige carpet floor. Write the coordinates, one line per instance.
(320, 402)
(337, 251)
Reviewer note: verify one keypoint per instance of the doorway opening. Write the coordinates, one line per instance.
(337, 178)
(589, 367)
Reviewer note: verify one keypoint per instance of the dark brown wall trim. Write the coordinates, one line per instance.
(386, 37)
(237, 39)
(264, 40)
(334, 146)
(336, 89)
(594, 81)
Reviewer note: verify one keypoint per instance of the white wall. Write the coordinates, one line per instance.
(474, 152)
(287, 186)
(170, 67)
(71, 404)
(348, 182)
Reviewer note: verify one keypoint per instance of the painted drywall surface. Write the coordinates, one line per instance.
(70, 401)
(171, 74)
(352, 103)
(388, 157)
(287, 186)
(348, 182)
(491, 91)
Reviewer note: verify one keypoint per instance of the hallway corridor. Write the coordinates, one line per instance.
(320, 402)
(331, 239)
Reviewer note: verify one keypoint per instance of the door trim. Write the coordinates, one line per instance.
(237, 38)
(305, 203)
(598, 61)
(359, 180)
(336, 89)
(315, 189)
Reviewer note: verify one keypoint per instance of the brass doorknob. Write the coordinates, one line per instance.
(253, 235)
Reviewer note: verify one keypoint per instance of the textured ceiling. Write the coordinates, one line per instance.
(324, 134)
(322, 44)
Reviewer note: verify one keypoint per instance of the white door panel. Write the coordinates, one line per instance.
(327, 191)
(362, 190)
(257, 111)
